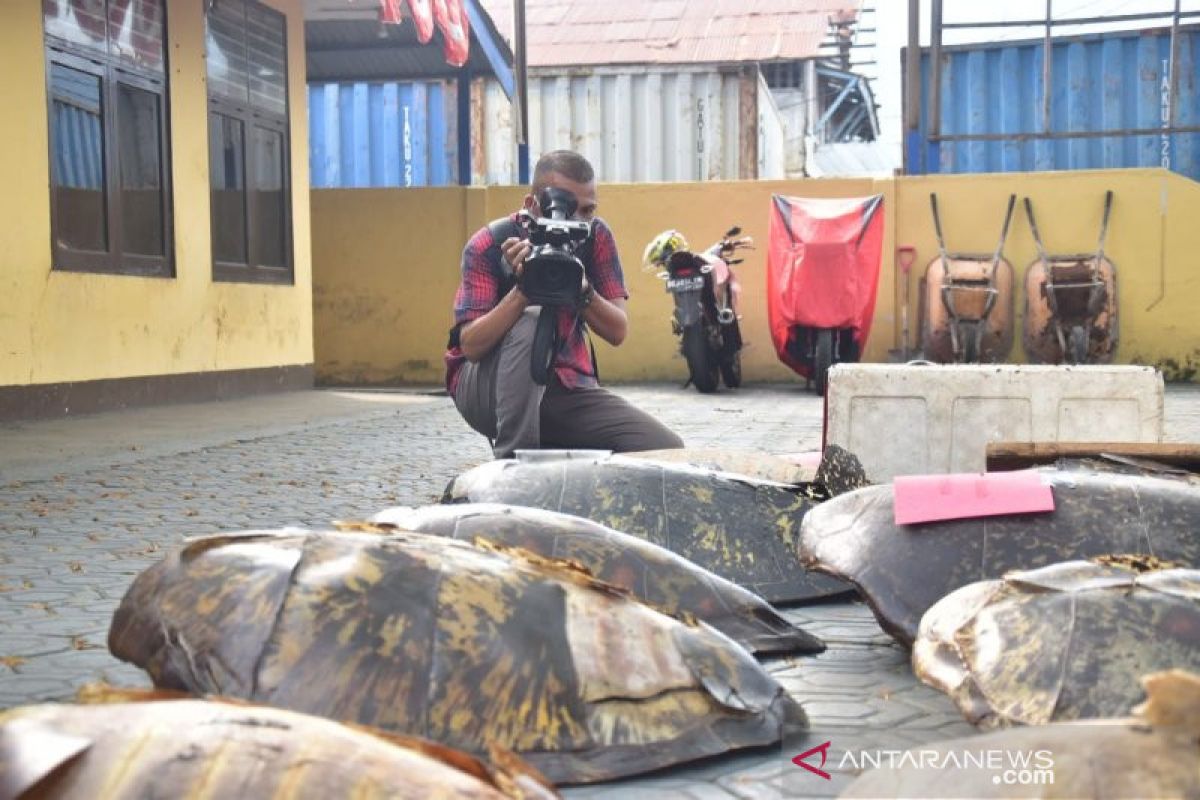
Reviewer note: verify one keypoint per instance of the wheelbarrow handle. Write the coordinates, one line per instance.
(1012, 201)
(1108, 198)
(1037, 237)
(937, 224)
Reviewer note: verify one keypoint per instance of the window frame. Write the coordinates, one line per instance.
(112, 72)
(253, 271)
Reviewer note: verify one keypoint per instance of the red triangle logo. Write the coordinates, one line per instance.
(823, 749)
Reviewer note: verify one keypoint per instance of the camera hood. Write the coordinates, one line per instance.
(557, 203)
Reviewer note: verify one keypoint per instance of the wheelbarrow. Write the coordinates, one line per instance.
(1071, 302)
(968, 301)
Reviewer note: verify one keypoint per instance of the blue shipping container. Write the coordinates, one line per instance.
(383, 134)
(1109, 83)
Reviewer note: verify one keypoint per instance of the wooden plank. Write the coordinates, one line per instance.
(1021, 455)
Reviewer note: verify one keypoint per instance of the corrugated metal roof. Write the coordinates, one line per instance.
(344, 40)
(597, 32)
(348, 49)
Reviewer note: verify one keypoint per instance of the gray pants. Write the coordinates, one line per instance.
(498, 398)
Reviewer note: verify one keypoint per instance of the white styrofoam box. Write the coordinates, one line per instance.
(919, 419)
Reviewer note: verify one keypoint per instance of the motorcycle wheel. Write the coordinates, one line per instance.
(1078, 344)
(822, 359)
(731, 370)
(701, 365)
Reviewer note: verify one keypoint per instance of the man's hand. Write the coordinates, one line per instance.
(478, 337)
(515, 251)
(606, 317)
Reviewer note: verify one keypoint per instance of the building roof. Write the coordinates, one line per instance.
(345, 40)
(564, 33)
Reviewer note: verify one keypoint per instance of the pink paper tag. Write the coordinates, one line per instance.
(928, 498)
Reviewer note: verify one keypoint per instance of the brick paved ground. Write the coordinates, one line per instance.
(87, 503)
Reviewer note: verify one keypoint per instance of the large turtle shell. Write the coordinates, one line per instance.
(148, 747)
(751, 463)
(1151, 755)
(463, 645)
(833, 470)
(744, 530)
(1063, 642)
(652, 574)
(902, 570)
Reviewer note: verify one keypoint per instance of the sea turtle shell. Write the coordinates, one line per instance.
(740, 528)
(140, 744)
(751, 463)
(651, 573)
(465, 645)
(902, 570)
(1121, 759)
(1063, 642)
(833, 470)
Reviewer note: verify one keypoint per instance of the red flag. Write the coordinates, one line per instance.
(389, 12)
(452, 22)
(422, 16)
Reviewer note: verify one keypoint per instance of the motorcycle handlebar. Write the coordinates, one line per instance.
(733, 245)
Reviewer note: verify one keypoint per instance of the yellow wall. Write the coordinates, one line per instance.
(386, 262)
(60, 326)
(1153, 240)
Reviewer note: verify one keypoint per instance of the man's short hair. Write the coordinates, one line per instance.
(567, 163)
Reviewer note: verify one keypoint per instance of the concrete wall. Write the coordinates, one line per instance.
(386, 263)
(60, 326)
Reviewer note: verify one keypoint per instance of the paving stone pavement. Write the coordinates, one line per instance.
(77, 525)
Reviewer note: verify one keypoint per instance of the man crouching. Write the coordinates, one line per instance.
(491, 369)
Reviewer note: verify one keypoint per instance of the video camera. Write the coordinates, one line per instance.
(553, 274)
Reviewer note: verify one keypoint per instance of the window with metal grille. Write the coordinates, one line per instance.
(110, 201)
(249, 155)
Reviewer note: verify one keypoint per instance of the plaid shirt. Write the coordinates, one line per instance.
(479, 293)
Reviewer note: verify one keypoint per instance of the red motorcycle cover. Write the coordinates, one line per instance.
(822, 267)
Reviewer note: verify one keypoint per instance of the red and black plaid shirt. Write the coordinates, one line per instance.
(479, 293)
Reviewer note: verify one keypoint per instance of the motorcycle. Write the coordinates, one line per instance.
(706, 292)
(822, 275)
